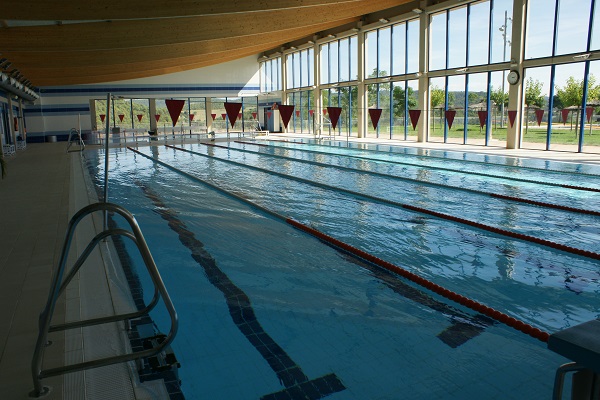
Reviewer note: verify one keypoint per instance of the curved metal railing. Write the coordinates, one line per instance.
(59, 284)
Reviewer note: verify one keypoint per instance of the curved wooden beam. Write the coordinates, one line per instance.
(89, 10)
(172, 52)
(44, 77)
(152, 32)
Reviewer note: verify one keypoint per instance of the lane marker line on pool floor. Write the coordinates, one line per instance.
(297, 384)
(472, 304)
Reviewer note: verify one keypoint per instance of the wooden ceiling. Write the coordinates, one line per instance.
(54, 43)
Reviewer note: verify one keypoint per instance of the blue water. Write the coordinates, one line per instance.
(331, 314)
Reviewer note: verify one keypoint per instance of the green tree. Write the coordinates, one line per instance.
(572, 93)
(437, 96)
(499, 97)
(399, 100)
(533, 93)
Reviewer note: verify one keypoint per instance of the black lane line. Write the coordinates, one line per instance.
(488, 163)
(433, 168)
(419, 181)
(464, 326)
(297, 384)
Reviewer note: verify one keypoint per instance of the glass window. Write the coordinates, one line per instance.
(344, 60)
(413, 46)
(371, 54)
(353, 57)
(479, 32)
(384, 51)
(289, 63)
(437, 52)
(595, 43)
(540, 28)
(311, 66)
(333, 62)
(325, 63)
(304, 70)
(297, 80)
(457, 37)
(399, 49)
(573, 23)
(502, 30)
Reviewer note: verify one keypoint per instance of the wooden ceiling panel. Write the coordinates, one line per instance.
(86, 10)
(63, 59)
(142, 33)
(117, 40)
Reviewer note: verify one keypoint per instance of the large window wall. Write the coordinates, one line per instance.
(470, 50)
(561, 94)
(303, 118)
(270, 75)
(339, 60)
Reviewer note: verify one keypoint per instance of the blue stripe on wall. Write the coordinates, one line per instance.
(81, 90)
(35, 110)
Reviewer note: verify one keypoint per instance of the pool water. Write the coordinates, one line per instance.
(267, 311)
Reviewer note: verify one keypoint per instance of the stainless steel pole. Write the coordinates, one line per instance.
(105, 200)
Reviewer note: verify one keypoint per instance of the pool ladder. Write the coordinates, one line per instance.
(58, 286)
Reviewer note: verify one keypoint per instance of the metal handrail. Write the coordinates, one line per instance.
(58, 286)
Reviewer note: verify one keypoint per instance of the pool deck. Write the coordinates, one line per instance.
(36, 202)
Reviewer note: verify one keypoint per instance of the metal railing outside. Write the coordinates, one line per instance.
(59, 284)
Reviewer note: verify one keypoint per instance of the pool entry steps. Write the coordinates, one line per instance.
(154, 346)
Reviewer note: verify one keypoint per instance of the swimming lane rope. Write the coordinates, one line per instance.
(489, 228)
(554, 184)
(454, 159)
(331, 241)
(339, 167)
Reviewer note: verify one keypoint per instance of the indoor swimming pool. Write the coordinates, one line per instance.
(268, 311)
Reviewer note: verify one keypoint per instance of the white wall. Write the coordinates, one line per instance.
(58, 108)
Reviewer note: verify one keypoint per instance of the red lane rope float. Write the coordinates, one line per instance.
(510, 178)
(489, 228)
(434, 287)
(496, 195)
(516, 235)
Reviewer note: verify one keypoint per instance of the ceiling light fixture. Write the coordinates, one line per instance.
(417, 10)
(384, 20)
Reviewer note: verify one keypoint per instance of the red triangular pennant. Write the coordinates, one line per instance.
(191, 117)
(512, 114)
(213, 116)
(589, 111)
(565, 113)
(482, 118)
(286, 113)
(311, 112)
(121, 116)
(233, 110)
(174, 107)
(450, 114)
(269, 114)
(414, 117)
(254, 115)
(239, 115)
(223, 116)
(139, 117)
(102, 117)
(334, 115)
(157, 117)
(297, 113)
(539, 114)
(324, 111)
(375, 114)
